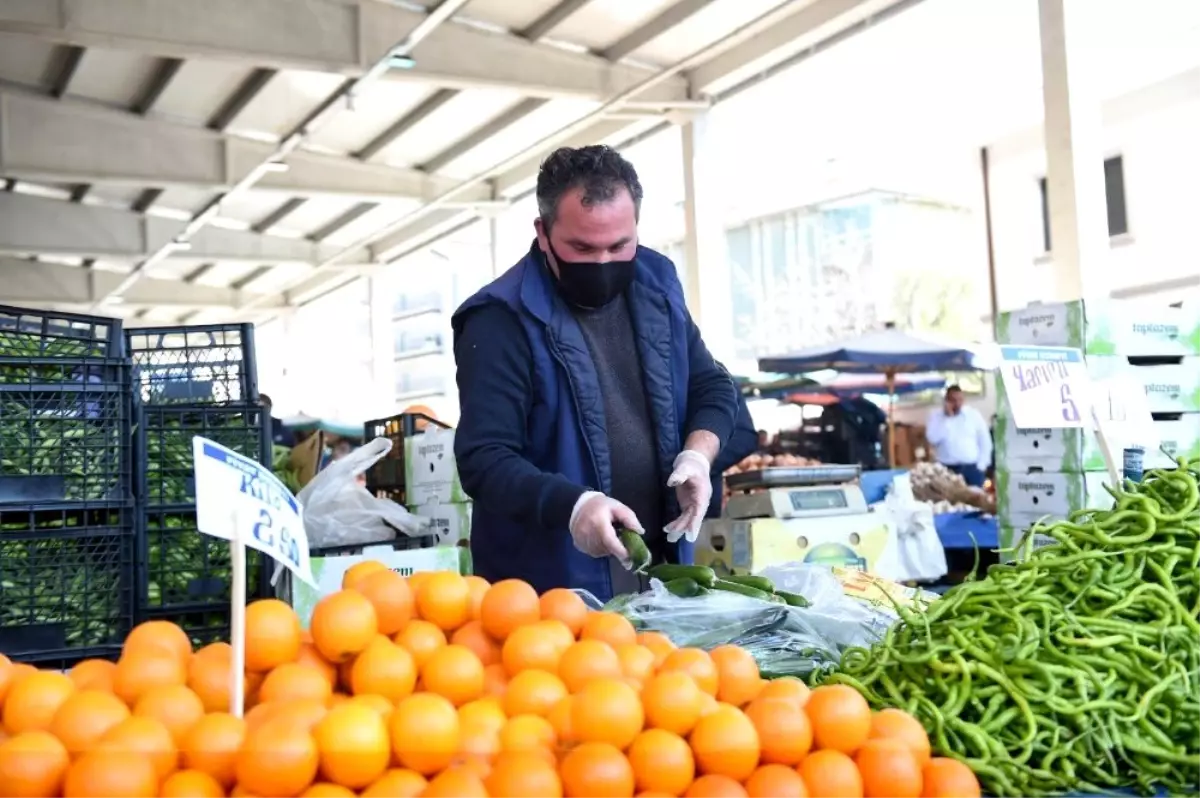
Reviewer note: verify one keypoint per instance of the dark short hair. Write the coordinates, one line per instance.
(953, 389)
(598, 169)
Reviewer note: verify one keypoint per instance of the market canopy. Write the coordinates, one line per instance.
(846, 386)
(882, 351)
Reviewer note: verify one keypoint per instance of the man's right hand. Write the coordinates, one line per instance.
(592, 526)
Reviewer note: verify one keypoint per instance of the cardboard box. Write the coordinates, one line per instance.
(1172, 387)
(1022, 499)
(1105, 327)
(430, 473)
(328, 571)
(864, 542)
(450, 523)
(1076, 450)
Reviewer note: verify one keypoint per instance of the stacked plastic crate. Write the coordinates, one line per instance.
(406, 477)
(67, 519)
(191, 381)
(1148, 344)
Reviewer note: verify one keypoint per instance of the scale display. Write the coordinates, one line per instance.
(803, 500)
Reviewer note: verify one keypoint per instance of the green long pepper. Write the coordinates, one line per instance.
(1076, 668)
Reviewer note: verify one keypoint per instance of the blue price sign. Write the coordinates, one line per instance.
(240, 500)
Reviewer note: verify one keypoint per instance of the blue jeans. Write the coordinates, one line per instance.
(971, 474)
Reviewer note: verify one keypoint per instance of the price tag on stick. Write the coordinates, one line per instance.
(1046, 386)
(240, 500)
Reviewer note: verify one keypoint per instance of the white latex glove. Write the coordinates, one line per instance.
(692, 481)
(592, 526)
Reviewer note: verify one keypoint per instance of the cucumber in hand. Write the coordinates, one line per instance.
(635, 547)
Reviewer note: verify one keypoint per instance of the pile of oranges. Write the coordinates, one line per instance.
(444, 685)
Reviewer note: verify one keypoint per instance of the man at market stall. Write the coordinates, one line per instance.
(960, 438)
(588, 398)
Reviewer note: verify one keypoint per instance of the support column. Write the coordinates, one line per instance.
(1074, 153)
(707, 277)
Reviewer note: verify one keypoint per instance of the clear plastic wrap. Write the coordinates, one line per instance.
(784, 640)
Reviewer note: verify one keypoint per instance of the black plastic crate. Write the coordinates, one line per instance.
(65, 431)
(68, 581)
(388, 473)
(181, 570)
(193, 365)
(45, 333)
(164, 445)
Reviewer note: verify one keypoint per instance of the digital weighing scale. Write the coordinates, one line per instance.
(799, 492)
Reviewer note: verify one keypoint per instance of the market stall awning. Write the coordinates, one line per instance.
(887, 350)
(846, 386)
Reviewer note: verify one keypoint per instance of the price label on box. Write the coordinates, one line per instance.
(1046, 386)
(240, 500)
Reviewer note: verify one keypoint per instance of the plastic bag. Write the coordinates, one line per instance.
(920, 554)
(784, 640)
(338, 511)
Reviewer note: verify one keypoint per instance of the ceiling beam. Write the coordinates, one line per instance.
(75, 142)
(33, 225)
(342, 36)
(43, 284)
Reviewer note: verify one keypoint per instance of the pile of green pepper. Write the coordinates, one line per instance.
(1076, 668)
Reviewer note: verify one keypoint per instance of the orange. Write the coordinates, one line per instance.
(483, 713)
(662, 762)
(85, 717)
(323, 789)
(292, 681)
(391, 597)
(373, 701)
(508, 605)
(148, 738)
(219, 649)
(708, 704)
(609, 627)
(444, 599)
(478, 588)
(478, 747)
(415, 580)
(272, 635)
(458, 782)
(726, 744)
(175, 706)
(558, 632)
(840, 718)
(33, 701)
(421, 639)
(698, 664)
(6, 674)
(495, 680)
(161, 636)
(32, 765)
(738, 680)
(90, 674)
(658, 643)
(943, 777)
(607, 711)
(776, 781)
(472, 636)
(454, 672)
(396, 783)
(531, 647)
(277, 759)
(18, 672)
(208, 677)
(596, 770)
(211, 746)
(385, 669)
(141, 671)
(425, 733)
(831, 774)
(787, 687)
(342, 625)
(561, 604)
(302, 714)
(191, 784)
(521, 774)
(111, 774)
(713, 786)
(527, 733)
(309, 656)
(889, 769)
(588, 660)
(359, 571)
(784, 733)
(560, 720)
(896, 724)
(637, 662)
(353, 744)
(672, 702)
(533, 693)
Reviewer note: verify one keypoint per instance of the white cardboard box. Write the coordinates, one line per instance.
(1024, 498)
(1173, 387)
(430, 472)
(1076, 450)
(1105, 327)
(451, 523)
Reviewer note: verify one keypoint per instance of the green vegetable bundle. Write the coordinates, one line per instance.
(1075, 669)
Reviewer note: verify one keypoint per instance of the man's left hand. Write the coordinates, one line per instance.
(692, 481)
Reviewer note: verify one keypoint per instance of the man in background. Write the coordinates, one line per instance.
(960, 438)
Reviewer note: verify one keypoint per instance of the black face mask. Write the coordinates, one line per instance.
(590, 285)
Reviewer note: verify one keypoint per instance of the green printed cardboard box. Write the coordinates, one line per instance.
(1105, 327)
(1024, 498)
(1077, 450)
(430, 471)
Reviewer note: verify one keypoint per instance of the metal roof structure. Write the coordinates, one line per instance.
(202, 160)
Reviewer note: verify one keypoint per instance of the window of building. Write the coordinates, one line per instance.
(1114, 200)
